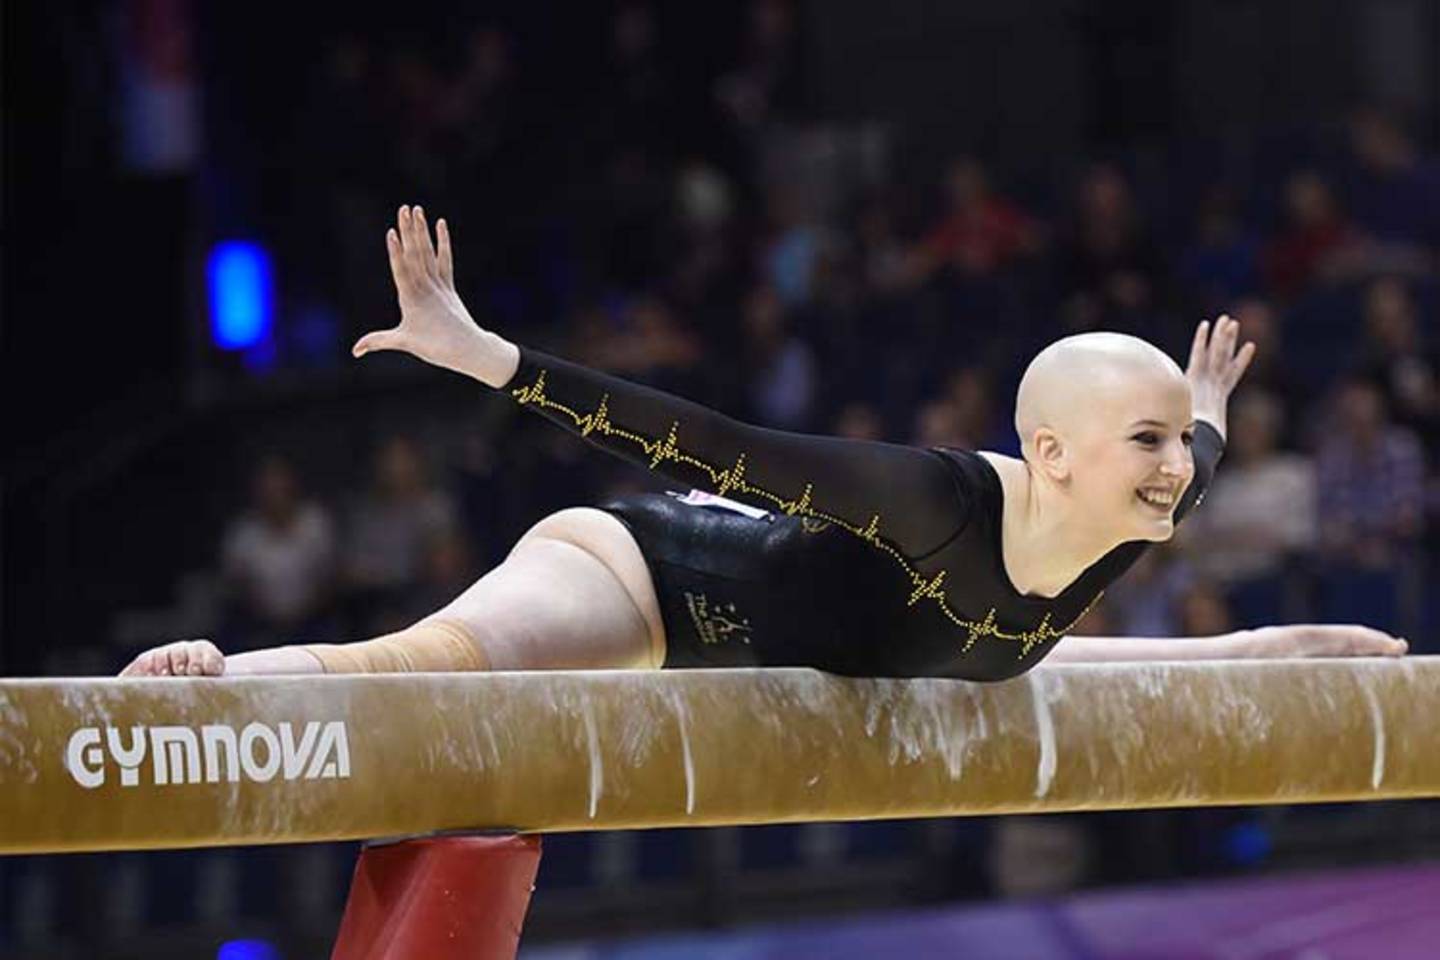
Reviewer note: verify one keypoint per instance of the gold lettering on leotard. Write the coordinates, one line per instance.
(732, 480)
(717, 623)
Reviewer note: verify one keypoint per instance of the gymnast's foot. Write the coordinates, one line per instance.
(1325, 640)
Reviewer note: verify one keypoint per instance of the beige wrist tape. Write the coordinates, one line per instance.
(430, 646)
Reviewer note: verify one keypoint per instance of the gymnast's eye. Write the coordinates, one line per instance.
(1188, 438)
(1148, 438)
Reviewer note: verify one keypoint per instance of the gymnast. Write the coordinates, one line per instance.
(858, 558)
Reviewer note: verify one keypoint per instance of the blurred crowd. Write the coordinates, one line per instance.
(686, 226)
(654, 190)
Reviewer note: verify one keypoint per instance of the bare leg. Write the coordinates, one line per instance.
(574, 593)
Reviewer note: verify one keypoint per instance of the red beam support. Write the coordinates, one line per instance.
(440, 898)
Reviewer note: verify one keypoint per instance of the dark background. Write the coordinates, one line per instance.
(131, 443)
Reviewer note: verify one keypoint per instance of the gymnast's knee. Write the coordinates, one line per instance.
(607, 539)
(588, 528)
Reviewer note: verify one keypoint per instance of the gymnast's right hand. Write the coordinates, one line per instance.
(183, 658)
(434, 324)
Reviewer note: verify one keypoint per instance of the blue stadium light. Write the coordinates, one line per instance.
(248, 950)
(241, 294)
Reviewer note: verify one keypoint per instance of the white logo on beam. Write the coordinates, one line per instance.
(180, 755)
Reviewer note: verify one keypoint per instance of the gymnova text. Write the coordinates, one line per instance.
(210, 754)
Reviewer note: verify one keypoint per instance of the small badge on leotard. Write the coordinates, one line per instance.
(718, 622)
(699, 498)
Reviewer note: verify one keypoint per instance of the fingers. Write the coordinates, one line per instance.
(184, 658)
(136, 667)
(1372, 642)
(177, 660)
(1350, 640)
(446, 256)
(1197, 346)
(1241, 364)
(377, 340)
(1213, 350)
(1222, 341)
(405, 226)
(424, 247)
(418, 252)
(396, 253)
(204, 659)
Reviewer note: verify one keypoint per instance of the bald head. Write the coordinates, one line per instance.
(1092, 377)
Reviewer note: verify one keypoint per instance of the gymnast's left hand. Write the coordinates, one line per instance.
(1215, 368)
(183, 658)
(434, 324)
(1323, 640)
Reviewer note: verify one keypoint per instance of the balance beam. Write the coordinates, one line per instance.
(106, 764)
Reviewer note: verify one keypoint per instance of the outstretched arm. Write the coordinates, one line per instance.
(901, 494)
(905, 494)
(1263, 643)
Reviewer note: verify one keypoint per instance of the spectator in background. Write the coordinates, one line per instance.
(1259, 513)
(859, 421)
(1315, 238)
(649, 343)
(1204, 611)
(388, 534)
(1269, 371)
(980, 232)
(1223, 262)
(342, 164)
(1394, 194)
(1146, 603)
(1400, 362)
(485, 148)
(634, 98)
(884, 265)
(970, 392)
(797, 244)
(623, 218)
(783, 379)
(447, 569)
(962, 415)
(477, 108)
(278, 562)
(1110, 267)
(868, 290)
(939, 424)
(667, 350)
(1370, 475)
(704, 260)
(415, 114)
(766, 83)
(1371, 486)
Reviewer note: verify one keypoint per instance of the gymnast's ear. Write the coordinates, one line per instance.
(1050, 454)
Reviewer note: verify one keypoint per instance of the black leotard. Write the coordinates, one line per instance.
(869, 559)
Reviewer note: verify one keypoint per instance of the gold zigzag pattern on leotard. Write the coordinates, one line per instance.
(732, 480)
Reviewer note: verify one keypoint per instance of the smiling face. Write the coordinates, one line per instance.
(1133, 458)
(1106, 419)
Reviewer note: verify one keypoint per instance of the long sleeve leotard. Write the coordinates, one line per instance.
(916, 532)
